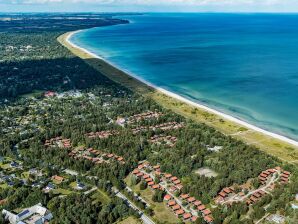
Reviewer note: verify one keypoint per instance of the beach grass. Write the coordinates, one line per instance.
(273, 146)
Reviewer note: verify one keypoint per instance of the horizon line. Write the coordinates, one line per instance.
(147, 12)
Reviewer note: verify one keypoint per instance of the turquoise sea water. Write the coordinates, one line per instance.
(245, 65)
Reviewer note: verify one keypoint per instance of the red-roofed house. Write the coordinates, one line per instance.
(184, 196)
(151, 183)
(173, 179)
(179, 212)
(167, 197)
(201, 207)
(156, 186)
(146, 176)
(171, 203)
(149, 179)
(168, 175)
(206, 212)
(197, 203)
(194, 218)
(176, 207)
(208, 219)
(179, 186)
(191, 199)
(187, 216)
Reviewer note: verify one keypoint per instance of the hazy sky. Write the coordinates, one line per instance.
(150, 5)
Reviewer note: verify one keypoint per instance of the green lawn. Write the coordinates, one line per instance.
(100, 196)
(130, 220)
(4, 186)
(25, 175)
(62, 191)
(6, 166)
(73, 185)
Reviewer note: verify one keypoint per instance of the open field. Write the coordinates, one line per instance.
(62, 191)
(100, 196)
(283, 150)
(205, 171)
(130, 220)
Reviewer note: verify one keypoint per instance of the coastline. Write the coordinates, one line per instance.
(242, 124)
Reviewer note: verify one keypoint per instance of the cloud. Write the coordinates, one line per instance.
(154, 2)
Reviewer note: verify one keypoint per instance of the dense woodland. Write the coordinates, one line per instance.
(26, 122)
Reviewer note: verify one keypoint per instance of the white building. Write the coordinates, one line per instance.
(275, 218)
(36, 214)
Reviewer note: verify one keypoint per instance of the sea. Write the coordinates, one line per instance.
(244, 65)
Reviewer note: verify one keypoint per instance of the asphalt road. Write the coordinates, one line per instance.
(144, 217)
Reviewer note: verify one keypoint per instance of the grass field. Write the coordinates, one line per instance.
(62, 191)
(100, 196)
(130, 220)
(4, 186)
(281, 149)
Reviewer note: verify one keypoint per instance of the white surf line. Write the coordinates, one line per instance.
(178, 97)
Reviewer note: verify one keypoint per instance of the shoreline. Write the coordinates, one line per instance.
(183, 99)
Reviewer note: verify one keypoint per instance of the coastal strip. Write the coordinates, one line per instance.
(272, 143)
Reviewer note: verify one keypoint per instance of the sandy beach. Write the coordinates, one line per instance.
(289, 142)
(178, 97)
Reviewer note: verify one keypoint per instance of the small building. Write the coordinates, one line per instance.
(179, 186)
(173, 179)
(179, 212)
(187, 216)
(206, 212)
(80, 186)
(278, 219)
(150, 183)
(36, 214)
(57, 178)
(184, 196)
(191, 200)
(176, 207)
(167, 197)
(168, 175)
(171, 203)
(197, 203)
(155, 187)
(194, 218)
(201, 207)
(208, 219)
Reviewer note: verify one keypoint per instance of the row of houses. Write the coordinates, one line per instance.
(58, 142)
(224, 194)
(160, 139)
(284, 178)
(267, 178)
(175, 186)
(102, 134)
(143, 116)
(147, 178)
(165, 126)
(265, 175)
(95, 156)
(255, 197)
(188, 216)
